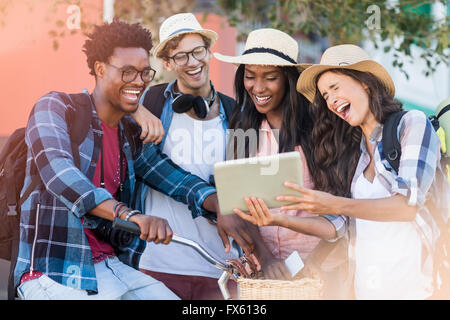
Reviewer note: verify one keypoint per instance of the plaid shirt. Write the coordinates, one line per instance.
(420, 178)
(52, 239)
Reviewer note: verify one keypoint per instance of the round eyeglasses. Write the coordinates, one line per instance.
(182, 58)
(129, 73)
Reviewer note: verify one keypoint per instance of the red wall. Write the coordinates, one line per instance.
(222, 74)
(30, 67)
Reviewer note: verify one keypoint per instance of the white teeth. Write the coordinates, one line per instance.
(342, 106)
(194, 71)
(132, 91)
(262, 99)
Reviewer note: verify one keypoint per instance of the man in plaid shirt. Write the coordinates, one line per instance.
(60, 255)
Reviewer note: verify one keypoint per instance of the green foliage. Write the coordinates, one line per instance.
(394, 25)
(150, 12)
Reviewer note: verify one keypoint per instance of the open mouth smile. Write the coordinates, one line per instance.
(343, 109)
(195, 72)
(131, 95)
(262, 100)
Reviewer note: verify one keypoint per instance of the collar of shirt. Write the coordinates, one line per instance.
(375, 136)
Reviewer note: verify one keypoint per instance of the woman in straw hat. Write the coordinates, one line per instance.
(391, 230)
(265, 89)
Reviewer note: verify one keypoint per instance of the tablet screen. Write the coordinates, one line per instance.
(261, 177)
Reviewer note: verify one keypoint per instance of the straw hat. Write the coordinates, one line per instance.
(267, 47)
(345, 56)
(181, 23)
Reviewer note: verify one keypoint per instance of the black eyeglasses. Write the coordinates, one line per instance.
(182, 58)
(129, 74)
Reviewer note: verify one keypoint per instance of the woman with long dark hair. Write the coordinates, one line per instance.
(269, 105)
(290, 115)
(392, 231)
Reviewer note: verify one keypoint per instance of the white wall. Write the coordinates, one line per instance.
(108, 10)
(426, 92)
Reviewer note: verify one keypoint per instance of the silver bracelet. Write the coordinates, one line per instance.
(132, 213)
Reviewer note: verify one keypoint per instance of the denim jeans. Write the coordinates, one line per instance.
(116, 281)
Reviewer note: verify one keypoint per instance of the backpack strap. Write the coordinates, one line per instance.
(131, 131)
(79, 123)
(392, 149)
(14, 150)
(228, 104)
(443, 110)
(435, 118)
(154, 99)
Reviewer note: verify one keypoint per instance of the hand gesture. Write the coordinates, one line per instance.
(233, 226)
(312, 201)
(259, 214)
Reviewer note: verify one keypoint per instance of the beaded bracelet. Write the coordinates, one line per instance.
(116, 208)
(122, 211)
(132, 213)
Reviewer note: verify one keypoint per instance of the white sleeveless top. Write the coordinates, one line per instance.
(388, 254)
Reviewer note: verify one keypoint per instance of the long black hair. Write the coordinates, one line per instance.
(296, 125)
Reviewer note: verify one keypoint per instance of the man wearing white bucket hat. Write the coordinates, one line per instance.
(192, 112)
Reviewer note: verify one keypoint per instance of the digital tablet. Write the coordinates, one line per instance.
(261, 177)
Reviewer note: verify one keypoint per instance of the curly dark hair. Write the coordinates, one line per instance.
(117, 34)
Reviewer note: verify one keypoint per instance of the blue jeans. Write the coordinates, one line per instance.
(116, 281)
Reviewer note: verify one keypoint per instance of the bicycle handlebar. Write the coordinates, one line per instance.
(134, 228)
(126, 226)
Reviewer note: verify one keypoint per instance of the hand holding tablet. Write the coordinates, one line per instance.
(257, 177)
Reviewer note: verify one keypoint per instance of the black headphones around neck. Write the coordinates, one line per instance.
(185, 102)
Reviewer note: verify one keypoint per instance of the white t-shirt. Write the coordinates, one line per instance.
(194, 145)
(388, 254)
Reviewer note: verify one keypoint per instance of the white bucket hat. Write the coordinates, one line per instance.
(344, 56)
(181, 23)
(267, 47)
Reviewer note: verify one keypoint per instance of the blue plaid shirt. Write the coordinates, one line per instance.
(52, 239)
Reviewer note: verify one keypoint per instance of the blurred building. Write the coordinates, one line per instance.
(34, 61)
(419, 91)
(41, 51)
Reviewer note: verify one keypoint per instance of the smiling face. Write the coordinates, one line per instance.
(346, 97)
(122, 96)
(193, 77)
(266, 86)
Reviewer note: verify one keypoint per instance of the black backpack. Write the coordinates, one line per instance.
(13, 158)
(392, 152)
